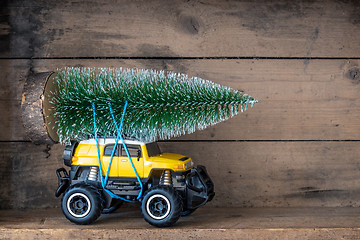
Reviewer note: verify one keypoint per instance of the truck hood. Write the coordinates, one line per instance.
(169, 157)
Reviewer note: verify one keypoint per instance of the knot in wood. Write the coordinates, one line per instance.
(354, 74)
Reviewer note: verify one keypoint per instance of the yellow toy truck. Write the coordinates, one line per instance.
(167, 184)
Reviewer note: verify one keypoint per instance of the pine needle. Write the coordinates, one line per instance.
(161, 106)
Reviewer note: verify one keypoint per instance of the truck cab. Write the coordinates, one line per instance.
(145, 156)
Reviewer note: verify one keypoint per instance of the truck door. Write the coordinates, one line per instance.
(125, 168)
(106, 159)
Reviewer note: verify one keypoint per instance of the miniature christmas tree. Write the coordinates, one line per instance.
(160, 106)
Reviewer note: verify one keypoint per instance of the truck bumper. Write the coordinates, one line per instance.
(64, 181)
(199, 188)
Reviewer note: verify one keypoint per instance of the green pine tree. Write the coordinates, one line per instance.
(160, 106)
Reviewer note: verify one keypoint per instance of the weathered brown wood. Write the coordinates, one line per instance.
(116, 232)
(313, 101)
(245, 174)
(181, 29)
(28, 176)
(300, 98)
(277, 174)
(34, 105)
(12, 77)
(125, 222)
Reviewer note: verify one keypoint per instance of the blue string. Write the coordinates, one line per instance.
(126, 150)
(103, 183)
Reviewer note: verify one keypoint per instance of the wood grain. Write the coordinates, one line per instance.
(303, 134)
(12, 78)
(313, 101)
(264, 174)
(180, 29)
(33, 102)
(245, 174)
(28, 178)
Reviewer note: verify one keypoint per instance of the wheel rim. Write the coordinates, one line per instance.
(158, 206)
(78, 205)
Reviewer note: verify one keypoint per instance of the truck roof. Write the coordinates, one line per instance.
(104, 141)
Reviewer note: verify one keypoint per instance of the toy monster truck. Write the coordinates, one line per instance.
(171, 186)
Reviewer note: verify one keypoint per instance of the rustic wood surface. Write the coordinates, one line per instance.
(298, 147)
(245, 174)
(205, 223)
(182, 28)
(32, 108)
(317, 101)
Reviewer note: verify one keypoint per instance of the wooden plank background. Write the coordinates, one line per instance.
(298, 147)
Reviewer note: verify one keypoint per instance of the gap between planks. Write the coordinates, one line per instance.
(263, 140)
(183, 58)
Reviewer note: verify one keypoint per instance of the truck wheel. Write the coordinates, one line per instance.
(82, 204)
(161, 206)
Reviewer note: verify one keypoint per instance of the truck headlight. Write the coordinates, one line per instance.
(189, 164)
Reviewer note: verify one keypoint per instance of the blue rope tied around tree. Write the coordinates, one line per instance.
(104, 182)
(124, 145)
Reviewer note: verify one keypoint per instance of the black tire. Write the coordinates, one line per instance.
(115, 206)
(161, 206)
(187, 212)
(82, 204)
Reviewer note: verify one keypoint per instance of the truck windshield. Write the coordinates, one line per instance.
(153, 149)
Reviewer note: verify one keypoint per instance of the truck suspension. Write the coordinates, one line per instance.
(166, 178)
(93, 174)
